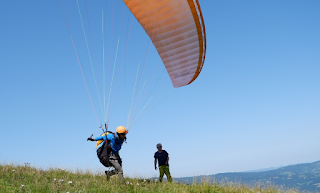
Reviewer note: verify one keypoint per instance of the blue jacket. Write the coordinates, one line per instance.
(115, 142)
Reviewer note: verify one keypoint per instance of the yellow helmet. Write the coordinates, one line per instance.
(121, 129)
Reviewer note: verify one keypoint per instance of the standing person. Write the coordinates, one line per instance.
(163, 158)
(108, 151)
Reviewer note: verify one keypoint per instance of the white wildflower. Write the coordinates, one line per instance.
(156, 180)
(70, 182)
(127, 182)
(22, 186)
(144, 180)
(138, 184)
(13, 170)
(130, 183)
(54, 179)
(61, 180)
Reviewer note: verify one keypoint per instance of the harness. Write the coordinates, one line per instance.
(104, 150)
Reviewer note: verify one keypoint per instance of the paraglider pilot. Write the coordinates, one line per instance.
(108, 151)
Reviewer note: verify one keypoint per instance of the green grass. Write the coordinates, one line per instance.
(29, 179)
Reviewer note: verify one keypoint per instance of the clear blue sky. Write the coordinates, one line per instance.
(255, 104)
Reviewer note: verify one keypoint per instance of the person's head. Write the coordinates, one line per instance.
(159, 146)
(121, 132)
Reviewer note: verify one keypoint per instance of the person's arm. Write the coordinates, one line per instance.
(100, 138)
(167, 163)
(155, 163)
(97, 138)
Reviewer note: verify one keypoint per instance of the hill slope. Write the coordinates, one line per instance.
(29, 179)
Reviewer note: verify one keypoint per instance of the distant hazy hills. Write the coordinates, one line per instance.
(265, 169)
(302, 176)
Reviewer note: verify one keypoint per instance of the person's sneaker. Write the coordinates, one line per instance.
(108, 174)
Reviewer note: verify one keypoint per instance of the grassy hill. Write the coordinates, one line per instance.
(29, 179)
(305, 177)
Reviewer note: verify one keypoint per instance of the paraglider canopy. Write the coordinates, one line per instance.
(177, 30)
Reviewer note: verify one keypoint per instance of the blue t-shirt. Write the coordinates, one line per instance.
(162, 157)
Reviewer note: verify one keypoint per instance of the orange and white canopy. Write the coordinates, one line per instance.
(177, 30)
